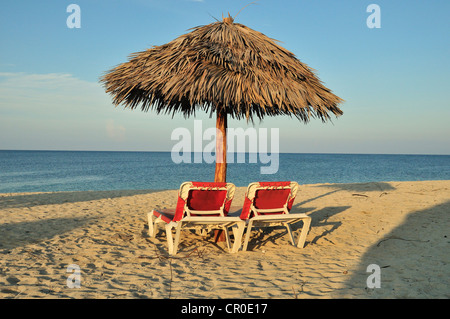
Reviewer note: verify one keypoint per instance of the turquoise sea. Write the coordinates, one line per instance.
(33, 171)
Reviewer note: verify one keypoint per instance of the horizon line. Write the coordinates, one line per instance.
(318, 153)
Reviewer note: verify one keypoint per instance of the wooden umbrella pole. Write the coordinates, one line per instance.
(221, 148)
(221, 159)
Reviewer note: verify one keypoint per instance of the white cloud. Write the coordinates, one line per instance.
(60, 111)
(47, 94)
(55, 110)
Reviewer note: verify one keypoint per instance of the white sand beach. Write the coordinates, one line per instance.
(402, 227)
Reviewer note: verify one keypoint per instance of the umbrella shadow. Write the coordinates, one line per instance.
(264, 236)
(360, 188)
(31, 232)
(320, 219)
(298, 206)
(411, 258)
(36, 199)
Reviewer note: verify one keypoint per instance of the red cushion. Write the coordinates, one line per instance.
(167, 217)
(179, 211)
(245, 214)
(206, 199)
(271, 198)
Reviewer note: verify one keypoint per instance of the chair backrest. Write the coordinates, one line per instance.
(264, 198)
(205, 199)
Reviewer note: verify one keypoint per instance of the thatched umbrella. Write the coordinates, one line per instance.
(224, 68)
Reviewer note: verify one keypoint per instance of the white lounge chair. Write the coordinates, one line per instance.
(200, 206)
(268, 204)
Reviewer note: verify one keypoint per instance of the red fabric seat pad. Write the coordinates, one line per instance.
(211, 196)
(206, 199)
(209, 199)
(271, 198)
(167, 217)
(268, 198)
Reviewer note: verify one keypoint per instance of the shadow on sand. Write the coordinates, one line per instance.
(32, 232)
(413, 259)
(319, 218)
(361, 187)
(357, 188)
(36, 199)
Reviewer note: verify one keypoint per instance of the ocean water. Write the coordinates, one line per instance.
(48, 171)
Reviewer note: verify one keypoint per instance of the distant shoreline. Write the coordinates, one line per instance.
(143, 191)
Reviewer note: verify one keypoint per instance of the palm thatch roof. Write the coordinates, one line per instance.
(222, 67)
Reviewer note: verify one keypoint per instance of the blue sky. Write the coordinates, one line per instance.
(394, 79)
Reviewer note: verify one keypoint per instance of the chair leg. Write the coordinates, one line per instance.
(152, 227)
(227, 236)
(169, 238)
(238, 231)
(177, 238)
(305, 229)
(247, 235)
(289, 230)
